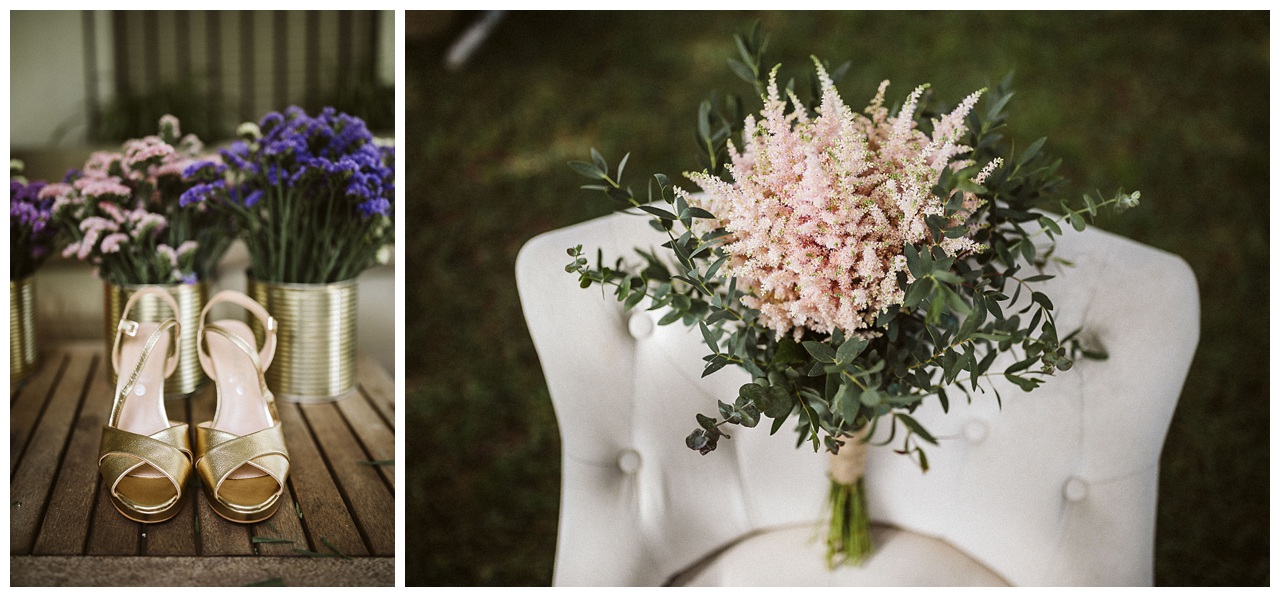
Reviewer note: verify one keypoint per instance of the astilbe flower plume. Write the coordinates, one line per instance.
(821, 208)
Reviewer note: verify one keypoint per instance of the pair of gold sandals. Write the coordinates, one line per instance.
(240, 455)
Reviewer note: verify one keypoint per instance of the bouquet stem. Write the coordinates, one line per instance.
(849, 534)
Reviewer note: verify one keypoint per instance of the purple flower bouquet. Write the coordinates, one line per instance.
(31, 239)
(31, 236)
(311, 196)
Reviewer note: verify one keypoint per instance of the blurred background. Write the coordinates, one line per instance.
(1173, 104)
(82, 81)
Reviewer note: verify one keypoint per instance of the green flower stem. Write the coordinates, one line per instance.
(849, 532)
(1062, 218)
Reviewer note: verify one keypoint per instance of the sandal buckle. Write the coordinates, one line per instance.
(130, 328)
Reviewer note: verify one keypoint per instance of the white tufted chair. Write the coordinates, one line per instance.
(1058, 487)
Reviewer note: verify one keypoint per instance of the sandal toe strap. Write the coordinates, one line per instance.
(223, 453)
(122, 452)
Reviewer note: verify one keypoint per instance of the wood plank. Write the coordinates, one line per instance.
(198, 571)
(378, 440)
(60, 509)
(217, 536)
(371, 502)
(31, 481)
(28, 403)
(379, 387)
(177, 536)
(110, 533)
(324, 514)
(284, 524)
(69, 516)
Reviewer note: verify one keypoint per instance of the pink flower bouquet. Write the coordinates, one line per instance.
(854, 263)
(121, 213)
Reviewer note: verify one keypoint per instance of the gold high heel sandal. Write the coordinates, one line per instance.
(144, 456)
(240, 454)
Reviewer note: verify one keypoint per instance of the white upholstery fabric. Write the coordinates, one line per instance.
(1056, 488)
(795, 557)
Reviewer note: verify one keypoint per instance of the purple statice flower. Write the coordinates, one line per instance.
(273, 175)
(236, 157)
(351, 131)
(204, 170)
(326, 170)
(270, 122)
(26, 199)
(200, 192)
(378, 206)
(253, 198)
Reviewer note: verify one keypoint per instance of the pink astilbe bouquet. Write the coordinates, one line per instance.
(854, 264)
(820, 209)
(121, 213)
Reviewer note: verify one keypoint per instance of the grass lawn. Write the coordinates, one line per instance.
(1174, 104)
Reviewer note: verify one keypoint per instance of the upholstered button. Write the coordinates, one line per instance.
(640, 325)
(975, 431)
(629, 461)
(1075, 490)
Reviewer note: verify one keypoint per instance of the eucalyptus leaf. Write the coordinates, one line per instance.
(588, 170)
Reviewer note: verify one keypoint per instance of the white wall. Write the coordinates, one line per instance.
(46, 79)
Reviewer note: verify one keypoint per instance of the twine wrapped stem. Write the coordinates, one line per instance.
(849, 536)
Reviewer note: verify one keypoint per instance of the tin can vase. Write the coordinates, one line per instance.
(188, 376)
(315, 358)
(23, 354)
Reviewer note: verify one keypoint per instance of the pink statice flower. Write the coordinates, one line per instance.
(112, 242)
(185, 250)
(67, 204)
(147, 151)
(146, 223)
(99, 163)
(821, 208)
(170, 127)
(167, 253)
(170, 167)
(92, 229)
(97, 188)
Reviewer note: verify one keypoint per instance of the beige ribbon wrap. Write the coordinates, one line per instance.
(848, 466)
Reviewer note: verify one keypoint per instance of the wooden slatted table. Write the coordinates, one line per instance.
(335, 526)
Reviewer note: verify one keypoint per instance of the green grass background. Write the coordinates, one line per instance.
(1174, 104)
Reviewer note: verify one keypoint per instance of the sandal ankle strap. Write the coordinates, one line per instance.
(129, 328)
(269, 326)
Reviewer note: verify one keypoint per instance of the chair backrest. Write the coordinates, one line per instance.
(1057, 487)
